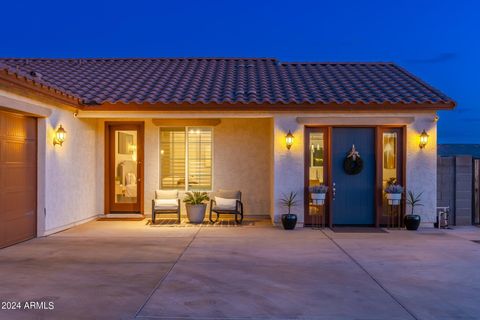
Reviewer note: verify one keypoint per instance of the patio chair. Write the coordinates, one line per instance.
(166, 202)
(227, 202)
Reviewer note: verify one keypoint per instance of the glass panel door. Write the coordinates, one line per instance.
(124, 166)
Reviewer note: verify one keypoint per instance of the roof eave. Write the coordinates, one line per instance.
(36, 90)
(265, 107)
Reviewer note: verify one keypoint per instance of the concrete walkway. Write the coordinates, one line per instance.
(126, 270)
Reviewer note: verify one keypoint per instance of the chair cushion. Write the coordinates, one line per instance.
(229, 194)
(166, 194)
(225, 204)
(166, 204)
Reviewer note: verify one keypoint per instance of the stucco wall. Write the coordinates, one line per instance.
(66, 175)
(242, 160)
(421, 163)
(422, 166)
(249, 154)
(70, 175)
(288, 166)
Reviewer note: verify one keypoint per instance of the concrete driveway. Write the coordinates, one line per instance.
(125, 270)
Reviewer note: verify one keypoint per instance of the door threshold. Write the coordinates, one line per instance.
(357, 229)
(122, 217)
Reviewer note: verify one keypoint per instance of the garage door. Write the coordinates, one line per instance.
(18, 181)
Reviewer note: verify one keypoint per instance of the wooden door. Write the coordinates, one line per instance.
(18, 178)
(124, 167)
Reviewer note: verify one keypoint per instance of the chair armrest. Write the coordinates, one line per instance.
(212, 201)
(239, 204)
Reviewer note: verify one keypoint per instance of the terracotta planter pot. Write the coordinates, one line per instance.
(196, 212)
(394, 198)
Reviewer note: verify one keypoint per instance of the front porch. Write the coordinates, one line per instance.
(247, 152)
(124, 270)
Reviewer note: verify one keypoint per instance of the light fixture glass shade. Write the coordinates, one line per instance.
(423, 139)
(289, 139)
(60, 135)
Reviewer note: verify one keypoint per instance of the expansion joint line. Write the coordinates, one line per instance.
(371, 276)
(159, 283)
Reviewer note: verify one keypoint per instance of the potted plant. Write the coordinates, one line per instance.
(393, 193)
(289, 220)
(317, 193)
(412, 220)
(196, 206)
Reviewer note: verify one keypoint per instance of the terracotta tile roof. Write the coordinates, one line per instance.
(225, 80)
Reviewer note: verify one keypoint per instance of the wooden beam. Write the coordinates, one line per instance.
(373, 121)
(185, 122)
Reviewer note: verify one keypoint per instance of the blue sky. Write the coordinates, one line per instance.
(439, 41)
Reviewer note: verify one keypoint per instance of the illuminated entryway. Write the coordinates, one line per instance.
(353, 198)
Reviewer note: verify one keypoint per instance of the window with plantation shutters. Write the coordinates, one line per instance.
(172, 158)
(186, 158)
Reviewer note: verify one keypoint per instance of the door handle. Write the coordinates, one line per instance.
(334, 190)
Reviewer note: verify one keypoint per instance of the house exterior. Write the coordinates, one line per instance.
(458, 182)
(137, 125)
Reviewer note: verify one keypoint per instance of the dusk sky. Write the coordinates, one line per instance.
(439, 41)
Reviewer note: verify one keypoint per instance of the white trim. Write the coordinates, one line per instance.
(41, 174)
(187, 160)
(70, 225)
(25, 105)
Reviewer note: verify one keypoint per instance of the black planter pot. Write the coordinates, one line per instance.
(289, 221)
(412, 221)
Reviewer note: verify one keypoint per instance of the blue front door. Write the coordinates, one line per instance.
(354, 201)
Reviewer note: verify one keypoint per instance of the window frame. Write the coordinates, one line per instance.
(187, 175)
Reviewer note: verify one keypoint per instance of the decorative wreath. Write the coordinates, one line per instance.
(353, 164)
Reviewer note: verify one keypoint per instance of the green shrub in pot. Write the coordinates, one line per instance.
(412, 220)
(195, 202)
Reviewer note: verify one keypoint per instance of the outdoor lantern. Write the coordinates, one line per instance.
(59, 136)
(289, 139)
(423, 139)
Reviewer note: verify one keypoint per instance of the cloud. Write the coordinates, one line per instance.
(443, 57)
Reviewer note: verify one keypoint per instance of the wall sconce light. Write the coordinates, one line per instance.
(59, 136)
(289, 139)
(423, 139)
